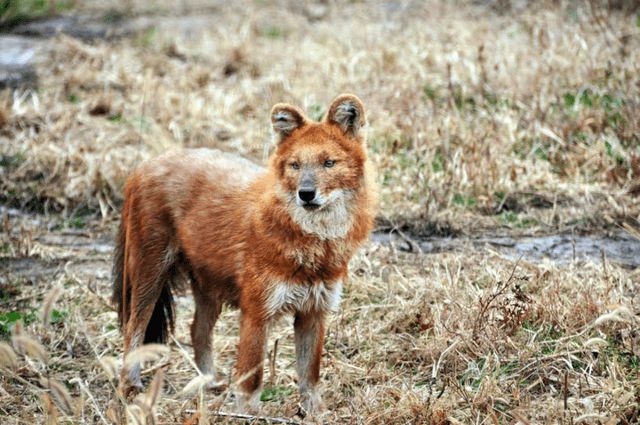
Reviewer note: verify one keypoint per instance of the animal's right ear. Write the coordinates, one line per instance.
(285, 119)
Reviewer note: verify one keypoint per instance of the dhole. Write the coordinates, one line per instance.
(271, 241)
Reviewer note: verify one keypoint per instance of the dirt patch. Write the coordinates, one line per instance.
(620, 248)
(17, 61)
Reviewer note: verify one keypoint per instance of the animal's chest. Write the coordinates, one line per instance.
(287, 297)
(318, 261)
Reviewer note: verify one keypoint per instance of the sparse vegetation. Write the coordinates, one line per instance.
(16, 11)
(483, 117)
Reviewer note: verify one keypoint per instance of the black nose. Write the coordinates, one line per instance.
(307, 195)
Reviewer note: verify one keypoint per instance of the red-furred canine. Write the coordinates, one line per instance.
(271, 241)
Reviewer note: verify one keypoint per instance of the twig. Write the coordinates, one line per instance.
(484, 305)
(272, 363)
(565, 391)
(436, 365)
(84, 388)
(267, 419)
(186, 355)
(413, 245)
(119, 396)
(21, 380)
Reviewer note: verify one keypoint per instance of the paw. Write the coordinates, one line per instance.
(130, 390)
(248, 403)
(216, 385)
(130, 382)
(311, 404)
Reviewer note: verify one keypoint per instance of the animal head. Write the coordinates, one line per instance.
(320, 166)
(317, 161)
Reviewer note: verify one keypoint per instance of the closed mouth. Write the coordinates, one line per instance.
(309, 206)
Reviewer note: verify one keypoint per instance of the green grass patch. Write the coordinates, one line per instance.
(114, 16)
(464, 201)
(58, 316)
(588, 99)
(509, 217)
(616, 351)
(437, 163)
(275, 393)
(12, 161)
(513, 219)
(80, 218)
(13, 12)
(316, 112)
(76, 223)
(541, 154)
(273, 31)
(9, 319)
(579, 136)
(148, 37)
(527, 222)
(430, 92)
(494, 101)
(475, 373)
(5, 248)
(612, 153)
(462, 101)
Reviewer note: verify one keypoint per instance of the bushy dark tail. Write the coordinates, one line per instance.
(162, 320)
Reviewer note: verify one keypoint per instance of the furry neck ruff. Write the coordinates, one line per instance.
(332, 221)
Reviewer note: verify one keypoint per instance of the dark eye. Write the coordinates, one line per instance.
(295, 165)
(329, 163)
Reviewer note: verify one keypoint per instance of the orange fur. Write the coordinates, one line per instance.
(243, 236)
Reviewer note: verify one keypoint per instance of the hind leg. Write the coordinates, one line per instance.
(206, 315)
(142, 306)
(148, 278)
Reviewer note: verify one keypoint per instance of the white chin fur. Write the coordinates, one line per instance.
(332, 220)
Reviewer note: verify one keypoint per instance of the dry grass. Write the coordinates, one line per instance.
(480, 118)
(527, 118)
(465, 337)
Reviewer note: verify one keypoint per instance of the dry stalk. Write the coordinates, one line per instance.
(26, 345)
(47, 305)
(97, 409)
(60, 394)
(8, 358)
(145, 353)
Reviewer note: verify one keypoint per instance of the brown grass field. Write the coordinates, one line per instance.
(500, 118)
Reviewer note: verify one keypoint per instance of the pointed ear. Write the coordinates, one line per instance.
(347, 112)
(284, 119)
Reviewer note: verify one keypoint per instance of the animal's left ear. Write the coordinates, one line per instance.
(347, 112)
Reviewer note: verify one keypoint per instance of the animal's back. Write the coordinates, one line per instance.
(180, 177)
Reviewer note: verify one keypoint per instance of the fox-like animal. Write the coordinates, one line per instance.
(270, 241)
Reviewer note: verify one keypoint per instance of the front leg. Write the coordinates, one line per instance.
(249, 368)
(309, 337)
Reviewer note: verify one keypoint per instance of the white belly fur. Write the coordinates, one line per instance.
(287, 297)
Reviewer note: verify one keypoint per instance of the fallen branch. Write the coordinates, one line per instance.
(267, 419)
